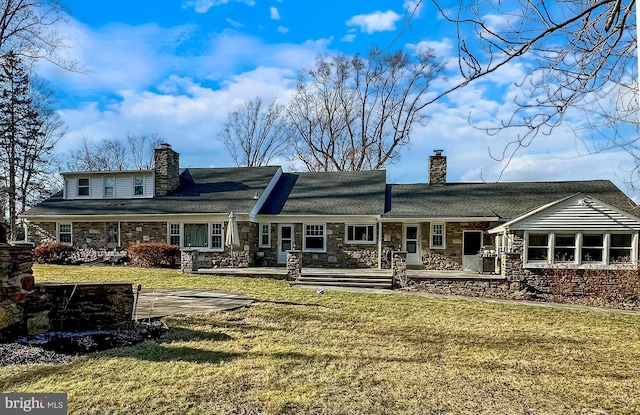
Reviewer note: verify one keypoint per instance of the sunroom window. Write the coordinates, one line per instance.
(538, 247)
(565, 248)
(621, 247)
(592, 247)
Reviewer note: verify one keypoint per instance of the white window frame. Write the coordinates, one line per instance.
(579, 245)
(59, 232)
(632, 250)
(88, 186)
(261, 233)
(134, 185)
(305, 235)
(105, 187)
(372, 226)
(172, 226)
(433, 233)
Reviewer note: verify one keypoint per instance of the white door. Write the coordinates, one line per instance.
(471, 245)
(285, 241)
(412, 244)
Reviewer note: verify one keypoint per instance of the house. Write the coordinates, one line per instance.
(343, 219)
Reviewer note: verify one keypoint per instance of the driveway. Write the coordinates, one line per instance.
(161, 302)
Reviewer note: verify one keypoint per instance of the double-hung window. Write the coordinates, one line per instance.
(174, 234)
(64, 233)
(620, 248)
(437, 235)
(265, 235)
(83, 186)
(314, 238)
(361, 234)
(538, 247)
(109, 186)
(592, 247)
(217, 236)
(138, 185)
(565, 248)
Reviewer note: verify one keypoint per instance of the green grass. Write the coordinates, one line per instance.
(297, 352)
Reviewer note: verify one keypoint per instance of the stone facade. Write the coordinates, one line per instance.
(132, 233)
(41, 232)
(437, 169)
(167, 170)
(16, 282)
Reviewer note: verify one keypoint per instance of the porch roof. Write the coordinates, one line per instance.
(505, 200)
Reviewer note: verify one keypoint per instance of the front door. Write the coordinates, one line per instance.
(285, 241)
(471, 246)
(412, 244)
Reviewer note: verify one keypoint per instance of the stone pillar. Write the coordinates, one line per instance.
(399, 268)
(16, 282)
(294, 264)
(188, 261)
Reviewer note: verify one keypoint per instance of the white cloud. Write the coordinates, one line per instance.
(375, 22)
(274, 14)
(348, 38)
(203, 6)
(283, 29)
(234, 23)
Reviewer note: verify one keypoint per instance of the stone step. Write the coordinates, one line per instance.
(364, 281)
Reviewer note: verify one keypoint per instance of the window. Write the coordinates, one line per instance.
(265, 235)
(361, 234)
(174, 234)
(138, 186)
(437, 235)
(196, 235)
(585, 249)
(112, 231)
(217, 236)
(592, 248)
(109, 183)
(83, 187)
(565, 248)
(620, 247)
(538, 247)
(64, 233)
(314, 238)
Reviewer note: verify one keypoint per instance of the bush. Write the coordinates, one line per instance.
(154, 254)
(53, 253)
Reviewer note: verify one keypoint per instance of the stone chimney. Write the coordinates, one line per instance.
(166, 169)
(437, 169)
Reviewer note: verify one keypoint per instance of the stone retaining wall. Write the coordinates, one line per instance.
(476, 287)
(16, 282)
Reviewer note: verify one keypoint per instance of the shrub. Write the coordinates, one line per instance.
(154, 254)
(53, 253)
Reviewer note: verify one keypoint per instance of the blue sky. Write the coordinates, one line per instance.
(177, 67)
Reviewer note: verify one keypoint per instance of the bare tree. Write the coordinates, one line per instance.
(134, 153)
(350, 113)
(255, 135)
(27, 27)
(578, 55)
(141, 148)
(29, 129)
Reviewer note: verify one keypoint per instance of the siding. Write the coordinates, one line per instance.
(580, 214)
(123, 185)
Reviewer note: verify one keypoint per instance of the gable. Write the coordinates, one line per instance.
(580, 212)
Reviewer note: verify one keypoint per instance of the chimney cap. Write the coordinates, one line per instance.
(165, 145)
(438, 152)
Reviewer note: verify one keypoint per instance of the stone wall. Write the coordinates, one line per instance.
(41, 232)
(16, 282)
(476, 287)
(132, 233)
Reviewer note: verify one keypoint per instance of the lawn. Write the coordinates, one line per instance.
(297, 352)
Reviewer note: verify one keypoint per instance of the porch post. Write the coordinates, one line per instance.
(294, 264)
(379, 244)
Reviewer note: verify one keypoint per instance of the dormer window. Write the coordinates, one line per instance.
(83, 187)
(138, 186)
(109, 184)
